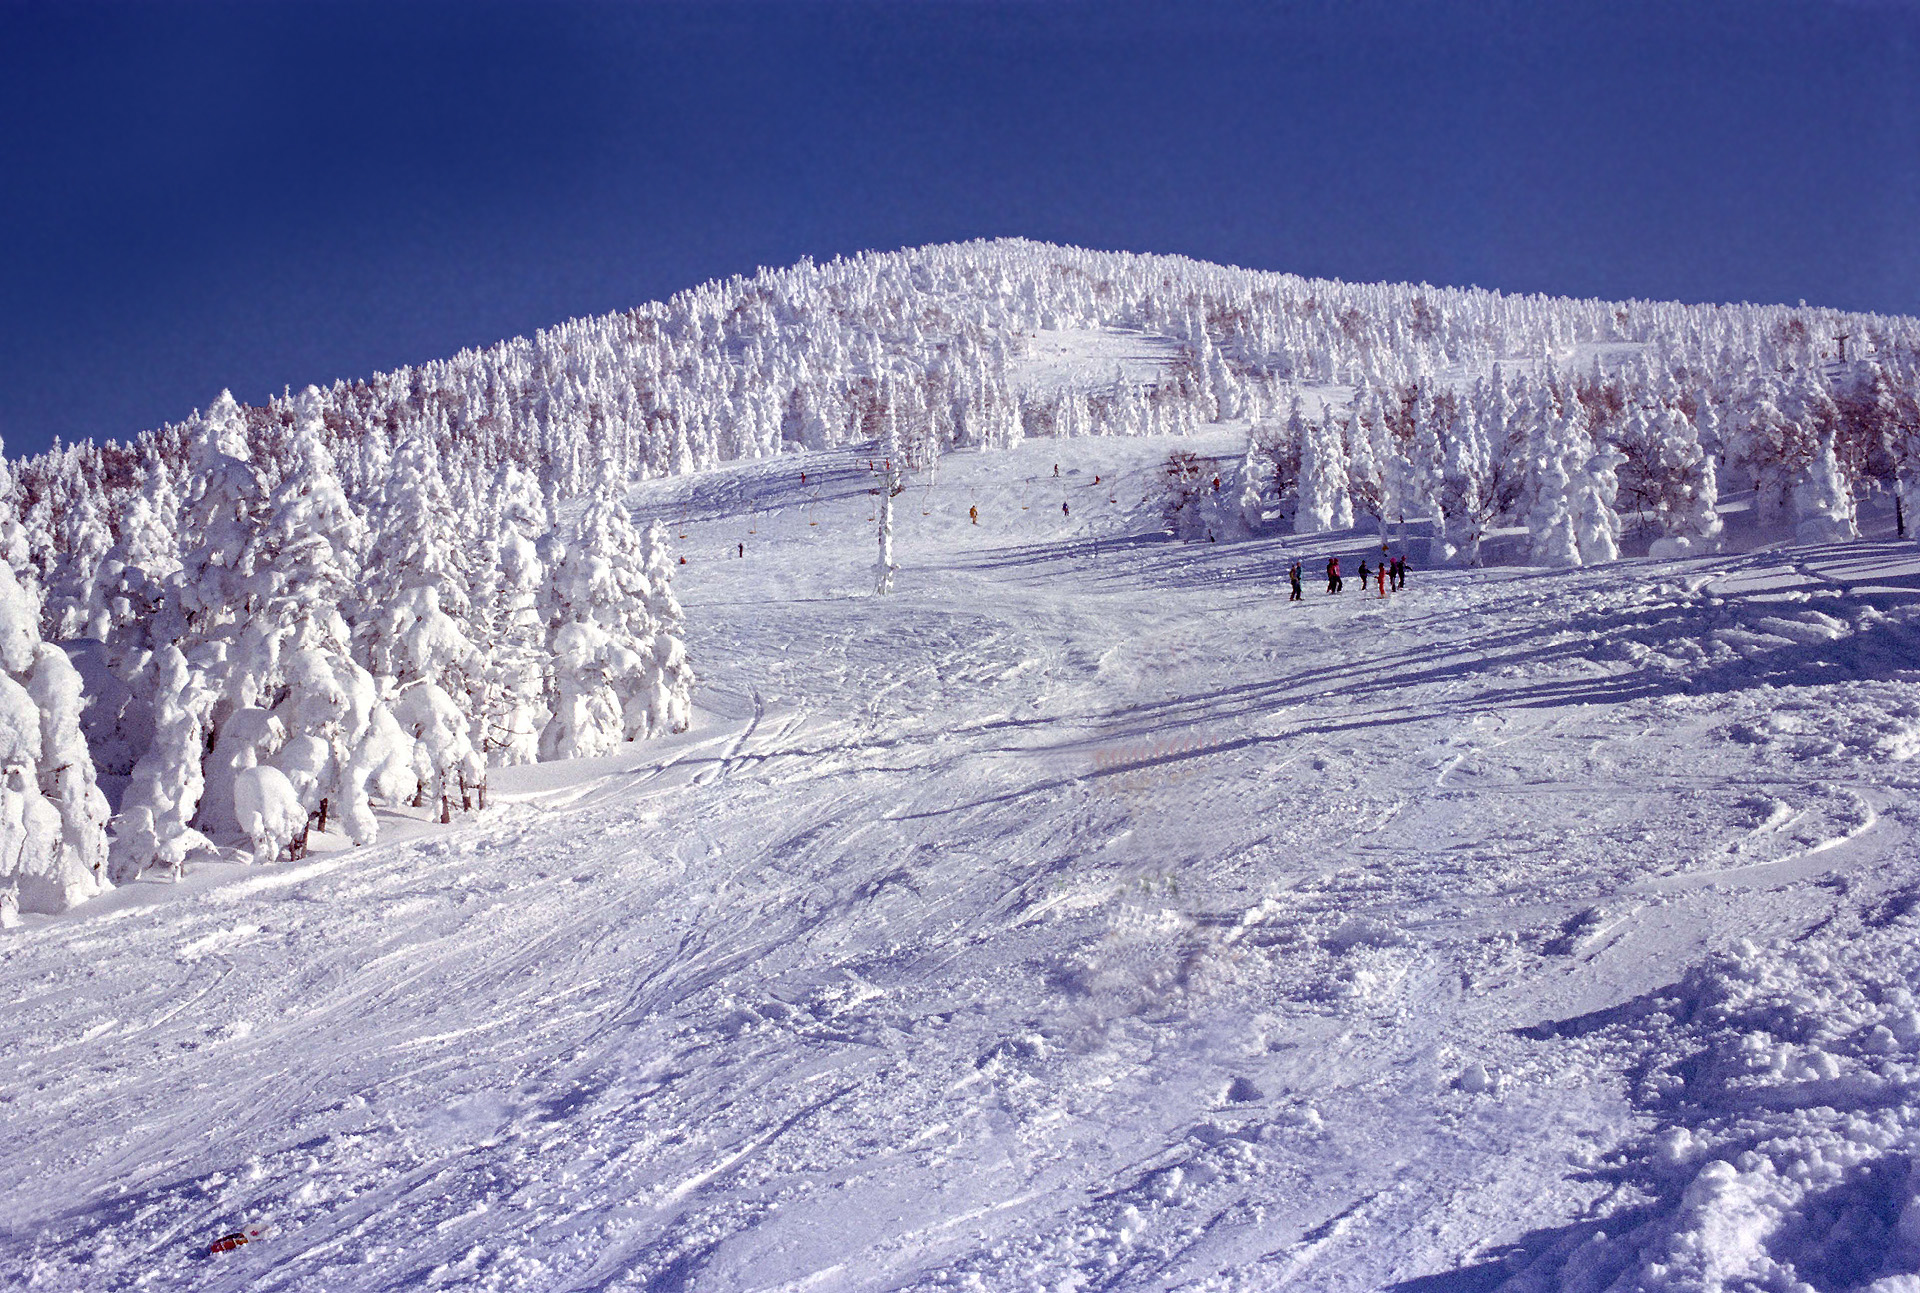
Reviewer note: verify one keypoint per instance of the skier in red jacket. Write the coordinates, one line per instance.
(1333, 575)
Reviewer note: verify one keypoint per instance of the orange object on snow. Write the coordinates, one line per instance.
(238, 1238)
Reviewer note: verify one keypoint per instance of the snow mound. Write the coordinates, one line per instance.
(1787, 1148)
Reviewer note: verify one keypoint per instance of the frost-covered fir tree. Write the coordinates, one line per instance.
(336, 742)
(670, 700)
(296, 563)
(1768, 445)
(1367, 484)
(892, 481)
(411, 621)
(1465, 484)
(53, 843)
(1823, 506)
(85, 543)
(270, 813)
(513, 705)
(1685, 487)
(132, 580)
(1904, 437)
(1421, 462)
(602, 644)
(1268, 469)
(263, 667)
(153, 827)
(447, 766)
(1596, 525)
(13, 534)
(1554, 455)
(219, 518)
(311, 541)
(1324, 501)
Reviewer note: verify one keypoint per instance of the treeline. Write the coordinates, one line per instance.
(263, 655)
(1568, 453)
(269, 615)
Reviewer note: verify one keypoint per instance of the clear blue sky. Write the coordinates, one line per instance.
(263, 195)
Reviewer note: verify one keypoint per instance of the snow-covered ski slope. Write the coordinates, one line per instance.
(1082, 916)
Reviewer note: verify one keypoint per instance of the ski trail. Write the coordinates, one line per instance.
(729, 762)
(1806, 865)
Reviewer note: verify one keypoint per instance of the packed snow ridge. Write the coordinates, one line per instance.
(1029, 894)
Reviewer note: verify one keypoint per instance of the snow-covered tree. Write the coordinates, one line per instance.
(1256, 479)
(1596, 525)
(1554, 455)
(1684, 487)
(513, 704)
(892, 482)
(1324, 501)
(220, 517)
(153, 826)
(449, 769)
(53, 845)
(602, 642)
(670, 699)
(270, 813)
(1823, 506)
(411, 624)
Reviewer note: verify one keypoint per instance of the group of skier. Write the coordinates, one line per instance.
(1391, 575)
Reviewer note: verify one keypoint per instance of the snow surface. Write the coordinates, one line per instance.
(1080, 916)
(1056, 359)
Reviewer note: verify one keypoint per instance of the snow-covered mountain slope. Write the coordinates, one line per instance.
(266, 618)
(1084, 915)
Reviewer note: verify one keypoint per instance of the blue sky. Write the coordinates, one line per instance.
(262, 195)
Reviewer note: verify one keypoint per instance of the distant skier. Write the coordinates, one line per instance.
(1333, 575)
(1364, 574)
(1064, 511)
(1399, 572)
(743, 549)
(1382, 573)
(1293, 578)
(1056, 469)
(973, 514)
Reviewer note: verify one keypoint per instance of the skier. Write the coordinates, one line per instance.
(1400, 572)
(1364, 574)
(973, 513)
(1056, 469)
(1382, 573)
(1064, 511)
(1333, 575)
(1293, 578)
(743, 549)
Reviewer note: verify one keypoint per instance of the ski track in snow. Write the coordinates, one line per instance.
(1081, 916)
